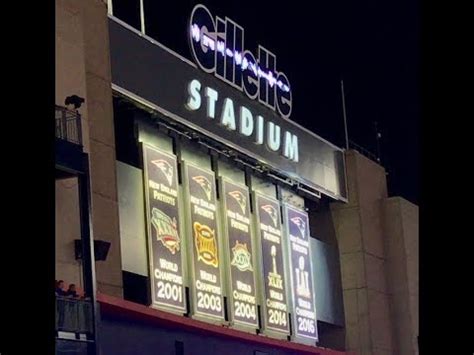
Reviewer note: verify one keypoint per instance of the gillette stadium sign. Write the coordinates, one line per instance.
(232, 95)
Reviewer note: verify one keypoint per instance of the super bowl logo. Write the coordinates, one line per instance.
(271, 211)
(241, 257)
(206, 245)
(240, 198)
(274, 278)
(166, 168)
(300, 223)
(205, 185)
(166, 230)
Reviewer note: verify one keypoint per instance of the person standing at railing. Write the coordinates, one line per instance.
(59, 305)
(60, 288)
(71, 292)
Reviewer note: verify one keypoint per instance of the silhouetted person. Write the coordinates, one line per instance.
(60, 304)
(71, 291)
(60, 288)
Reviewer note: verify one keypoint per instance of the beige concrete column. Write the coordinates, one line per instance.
(105, 215)
(70, 79)
(83, 68)
(360, 234)
(401, 245)
(70, 72)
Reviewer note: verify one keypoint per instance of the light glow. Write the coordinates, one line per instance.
(243, 63)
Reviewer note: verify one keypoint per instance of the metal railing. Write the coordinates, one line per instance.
(74, 315)
(71, 347)
(364, 152)
(68, 125)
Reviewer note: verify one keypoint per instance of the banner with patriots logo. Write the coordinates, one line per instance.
(270, 241)
(164, 234)
(206, 263)
(240, 269)
(301, 271)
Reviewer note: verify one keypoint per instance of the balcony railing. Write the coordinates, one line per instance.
(364, 152)
(68, 125)
(73, 315)
(71, 347)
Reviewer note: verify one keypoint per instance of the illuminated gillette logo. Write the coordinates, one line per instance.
(218, 47)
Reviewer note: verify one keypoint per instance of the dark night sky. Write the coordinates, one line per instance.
(372, 45)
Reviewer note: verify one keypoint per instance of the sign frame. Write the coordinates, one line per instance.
(193, 311)
(183, 264)
(322, 168)
(295, 336)
(228, 273)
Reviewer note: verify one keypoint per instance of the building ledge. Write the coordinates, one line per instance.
(69, 157)
(114, 306)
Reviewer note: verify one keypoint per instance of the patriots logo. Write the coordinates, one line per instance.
(205, 184)
(299, 222)
(166, 168)
(271, 212)
(240, 198)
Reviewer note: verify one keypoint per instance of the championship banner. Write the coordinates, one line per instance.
(241, 272)
(304, 308)
(270, 236)
(164, 235)
(206, 283)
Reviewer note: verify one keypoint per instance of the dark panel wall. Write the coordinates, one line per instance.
(121, 337)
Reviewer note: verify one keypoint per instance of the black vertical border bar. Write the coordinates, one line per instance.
(87, 238)
(141, 160)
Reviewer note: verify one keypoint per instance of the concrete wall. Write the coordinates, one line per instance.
(401, 244)
(67, 229)
(70, 71)
(378, 246)
(360, 234)
(83, 68)
(70, 79)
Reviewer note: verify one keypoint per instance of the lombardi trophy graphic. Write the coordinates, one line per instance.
(274, 278)
(302, 279)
